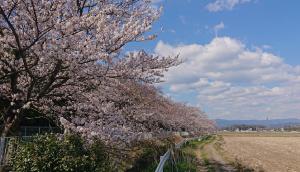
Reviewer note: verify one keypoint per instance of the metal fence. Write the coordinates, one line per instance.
(166, 156)
(163, 160)
(8, 145)
(32, 130)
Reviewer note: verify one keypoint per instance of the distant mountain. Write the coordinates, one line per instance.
(268, 123)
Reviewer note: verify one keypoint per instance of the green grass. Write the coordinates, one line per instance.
(185, 157)
(182, 166)
(207, 163)
(149, 168)
(206, 140)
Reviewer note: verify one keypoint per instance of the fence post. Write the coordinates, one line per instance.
(161, 159)
(166, 156)
(2, 146)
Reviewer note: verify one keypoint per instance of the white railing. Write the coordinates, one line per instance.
(163, 159)
(166, 156)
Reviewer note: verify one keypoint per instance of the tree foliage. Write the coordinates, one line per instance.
(65, 59)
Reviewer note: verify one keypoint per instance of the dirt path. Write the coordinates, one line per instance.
(211, 160)
(216, 160)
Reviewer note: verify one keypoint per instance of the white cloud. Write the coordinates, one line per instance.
(266, 47)
(220, 5)
(218, 27)
(172, 30)
(182, 19)
(156, 1)
(232, 81)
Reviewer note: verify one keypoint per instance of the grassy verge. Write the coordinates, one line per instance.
(181, 160)
(236, 163)
(185, 158)
(206, 162)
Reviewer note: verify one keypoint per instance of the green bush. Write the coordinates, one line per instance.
(150, 155)
(48, 153)
(182, 166)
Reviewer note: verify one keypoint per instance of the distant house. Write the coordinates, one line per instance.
(245, 128)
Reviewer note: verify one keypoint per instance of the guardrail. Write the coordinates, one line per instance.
(163, 159)
(166, 156)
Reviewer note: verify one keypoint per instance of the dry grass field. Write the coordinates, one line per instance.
(271, 152)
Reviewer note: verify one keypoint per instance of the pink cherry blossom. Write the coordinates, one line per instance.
(65, 59)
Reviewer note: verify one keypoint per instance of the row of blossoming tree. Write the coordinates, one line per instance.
(65, 59)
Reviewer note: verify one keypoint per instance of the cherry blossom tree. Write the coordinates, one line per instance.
(174, 116)
(66, 60)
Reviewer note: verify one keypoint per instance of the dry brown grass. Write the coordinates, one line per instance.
(261, 134)
(272, 153)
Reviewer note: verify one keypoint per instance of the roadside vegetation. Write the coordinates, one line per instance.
(205, 155)
(148, 154)
(52, 152)
(49, 153)
(185, 158)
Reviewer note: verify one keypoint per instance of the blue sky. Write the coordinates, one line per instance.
(240, 56)
(256, 23)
